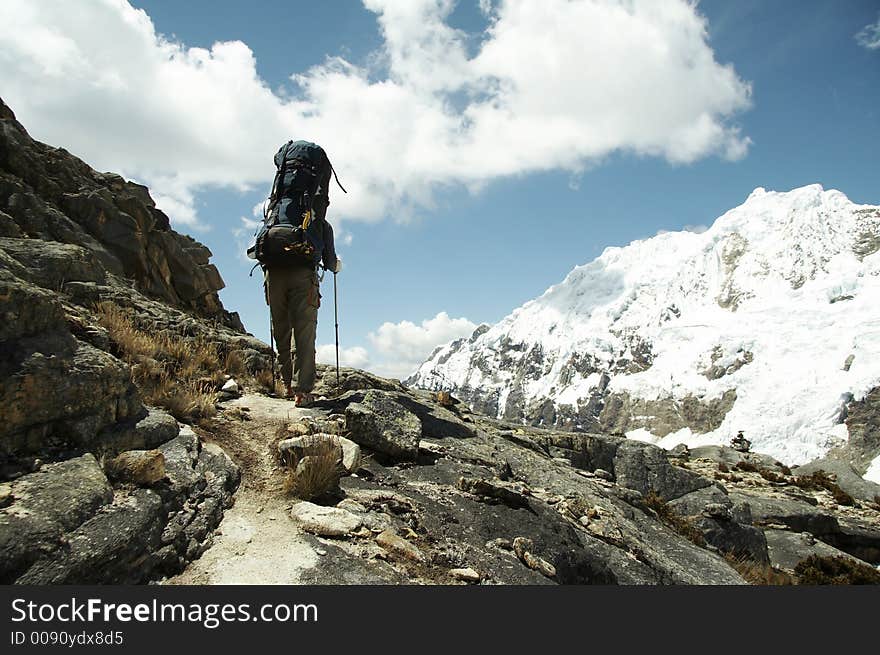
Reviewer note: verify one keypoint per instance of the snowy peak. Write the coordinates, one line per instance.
(687, 337)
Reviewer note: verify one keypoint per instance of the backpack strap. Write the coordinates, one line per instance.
(335, 177)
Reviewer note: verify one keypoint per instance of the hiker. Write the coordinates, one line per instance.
(293, 242)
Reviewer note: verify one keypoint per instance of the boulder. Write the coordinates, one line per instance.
(787, 548)
(381, 424)
(152, 430)
(645, 467)
(112, 547)
(46, 504)
(796, 515)
(325, 521)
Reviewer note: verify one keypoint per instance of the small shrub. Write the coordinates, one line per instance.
(771, 476)
(747, 467)
(320, 470)
(819, 480)
(189, 402)
(816, 570)
(723, 467)
(841, 497)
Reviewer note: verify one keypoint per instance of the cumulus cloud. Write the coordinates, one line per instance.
(356, 356)
(405, 345)
(551, 84)
(869, 36)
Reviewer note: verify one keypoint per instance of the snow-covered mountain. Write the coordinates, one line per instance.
(768, 322)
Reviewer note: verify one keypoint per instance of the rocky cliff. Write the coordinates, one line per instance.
(74, 245)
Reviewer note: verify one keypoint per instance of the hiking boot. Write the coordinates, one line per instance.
(303, 399)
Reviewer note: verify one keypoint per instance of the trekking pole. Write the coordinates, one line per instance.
(272, 345)
(336, 320)
(271, 330)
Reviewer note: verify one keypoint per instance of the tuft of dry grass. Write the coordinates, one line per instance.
(178, 374)
(233, 363)
(317, 472)
(682, 525)
(756, 573)
(130, 341)
(265, 380)
(189, 402)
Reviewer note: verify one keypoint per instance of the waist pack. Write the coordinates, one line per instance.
(282, 244)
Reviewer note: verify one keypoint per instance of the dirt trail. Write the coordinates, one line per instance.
(257, 542)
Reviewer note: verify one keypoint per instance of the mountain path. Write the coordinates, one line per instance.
(257, 541)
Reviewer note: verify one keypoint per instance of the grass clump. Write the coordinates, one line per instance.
(835, 570)
(180, 375)
(673, 519)
(316, 471)
(758, 573)
(819, 480)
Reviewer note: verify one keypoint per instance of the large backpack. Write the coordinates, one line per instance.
(292, 229)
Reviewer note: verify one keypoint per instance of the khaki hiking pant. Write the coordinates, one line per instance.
(294, 299)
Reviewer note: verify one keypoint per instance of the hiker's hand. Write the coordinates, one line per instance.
(338, 266)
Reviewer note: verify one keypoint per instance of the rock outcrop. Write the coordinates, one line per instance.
(98, 487)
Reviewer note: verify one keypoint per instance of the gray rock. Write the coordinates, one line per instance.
(325, 521)
(645, 467)
(397, 545)
(694, 503)
(46, 504)
(731, 457)
(112, 547)
(381, 424)
(796, 515)
(731, 537)
(148, 432)
(787, 548)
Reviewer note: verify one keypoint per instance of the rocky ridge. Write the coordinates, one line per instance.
(95, 486)
(443, 495)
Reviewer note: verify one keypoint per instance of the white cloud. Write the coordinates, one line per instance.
(356, 356)
(554, 84)
(869, 36)
(405, 345)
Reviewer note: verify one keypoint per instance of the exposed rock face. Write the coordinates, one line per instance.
(527, 505)
(71, 237)
(50, 195)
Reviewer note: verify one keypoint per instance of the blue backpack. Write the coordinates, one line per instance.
(292, 229)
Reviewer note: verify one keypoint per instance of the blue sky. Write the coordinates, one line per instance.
(787, 92)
